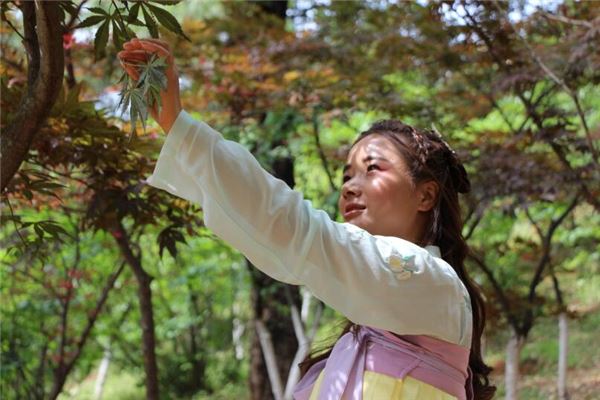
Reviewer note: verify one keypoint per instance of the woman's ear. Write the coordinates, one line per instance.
(428, 193)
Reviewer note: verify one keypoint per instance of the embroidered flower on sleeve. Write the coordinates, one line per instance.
(402, 266)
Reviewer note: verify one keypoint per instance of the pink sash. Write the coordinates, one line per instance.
(380, 351)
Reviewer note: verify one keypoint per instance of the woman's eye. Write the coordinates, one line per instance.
(372, 167)
(345, 179)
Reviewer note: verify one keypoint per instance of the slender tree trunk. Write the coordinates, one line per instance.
(563, 343)
(237, 332)
(146, 311)
(266, 344)
(196, 356)
(513, 354)
(272, 310)
(102, 373)
(148, 338)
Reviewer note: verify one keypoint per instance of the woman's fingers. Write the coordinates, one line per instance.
(160, 43)
(132, 44)
(148, 46)
(156, 48)
(138, 51)
(137, 55)
(129, 46)
(135, 42)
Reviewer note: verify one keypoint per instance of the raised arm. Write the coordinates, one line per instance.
(385, 282)
(380, 281)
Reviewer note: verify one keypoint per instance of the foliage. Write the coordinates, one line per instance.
(144, 93)
(457, 65)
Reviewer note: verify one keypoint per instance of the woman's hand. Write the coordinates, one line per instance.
(138, 51)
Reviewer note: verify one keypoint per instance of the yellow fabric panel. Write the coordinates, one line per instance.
(316, 387)
(383, 387)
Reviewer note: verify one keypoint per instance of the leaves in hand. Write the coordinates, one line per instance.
(144, 93)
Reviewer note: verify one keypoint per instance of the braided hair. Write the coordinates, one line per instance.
(429, 157)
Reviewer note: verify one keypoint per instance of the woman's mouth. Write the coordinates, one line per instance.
(353, 210)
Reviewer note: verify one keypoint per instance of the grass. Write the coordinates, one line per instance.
(539, 360)
(119, 385)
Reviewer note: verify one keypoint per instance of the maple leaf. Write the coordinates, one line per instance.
(144, 93)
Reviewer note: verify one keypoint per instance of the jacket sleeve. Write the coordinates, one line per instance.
(384, 282)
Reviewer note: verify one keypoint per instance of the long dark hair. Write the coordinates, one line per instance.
(429, 157)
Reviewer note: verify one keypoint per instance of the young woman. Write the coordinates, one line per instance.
(395, 268)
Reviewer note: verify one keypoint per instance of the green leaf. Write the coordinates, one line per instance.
(139, 109)
(137, 22)
(150, 23)
(53, 228)
(38, 229)
(98, 10)
(69, 7)
(101, 39)
(166, 2)
(5, 218)
(167, 20)
(133, 13)
(90, 21)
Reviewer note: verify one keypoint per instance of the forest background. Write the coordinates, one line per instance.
(113, 289)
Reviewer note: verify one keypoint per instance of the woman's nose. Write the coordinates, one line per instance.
(350, 189)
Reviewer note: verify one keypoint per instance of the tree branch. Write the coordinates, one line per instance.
(71, 23)
(303, 348)
(268, 351)
(567, 20)
(146, 309)
(553, 76)
(477, 215)
(96, 311)
(315, 125)
(558, 150)
(505, 304)
(65, 367)
(535, 225)
(557, 291)
(547, 247)
(14, 29)
(45, 74)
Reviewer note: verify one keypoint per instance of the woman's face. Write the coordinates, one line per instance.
(378, 193)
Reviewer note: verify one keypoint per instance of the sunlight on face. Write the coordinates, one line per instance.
(378, 193)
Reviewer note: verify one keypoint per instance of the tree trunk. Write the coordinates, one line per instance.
(102, 373)
(146, 311)
(196, 356)
(148, 339)
(563, 343)
(305, 337)
(43, 42)
(237, 332)
(266, 344)
(272, 310)
(513, 354)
